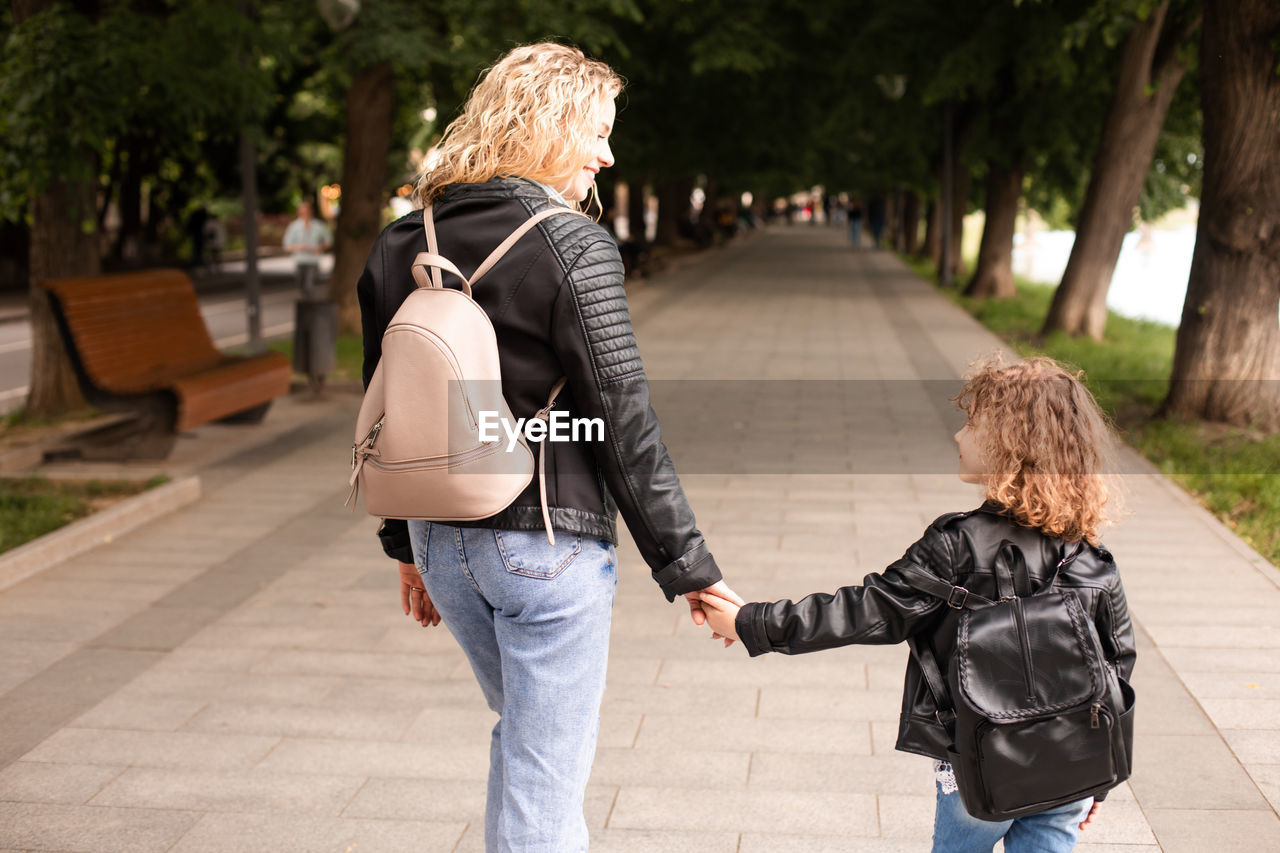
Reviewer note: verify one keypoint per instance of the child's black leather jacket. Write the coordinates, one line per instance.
(960, 548)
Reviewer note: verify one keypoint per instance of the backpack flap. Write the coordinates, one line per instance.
(1027, 657)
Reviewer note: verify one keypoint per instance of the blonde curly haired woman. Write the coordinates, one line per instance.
(533, 617)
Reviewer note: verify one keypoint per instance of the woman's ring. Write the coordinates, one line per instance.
(417, 589)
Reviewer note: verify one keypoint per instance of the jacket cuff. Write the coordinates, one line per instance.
(751, 630)
(394, 536)
(695, 570)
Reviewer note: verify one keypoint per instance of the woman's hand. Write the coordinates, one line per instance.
(1093, 811)
(414, 599)
(720, 590)
(721, 613)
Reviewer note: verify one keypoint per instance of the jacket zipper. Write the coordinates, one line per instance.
(1028, 673)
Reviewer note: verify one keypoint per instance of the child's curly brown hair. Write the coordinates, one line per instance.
(1047, 447)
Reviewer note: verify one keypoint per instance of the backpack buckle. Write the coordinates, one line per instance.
(951, 599)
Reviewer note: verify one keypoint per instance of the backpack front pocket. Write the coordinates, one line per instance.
(1013, 758)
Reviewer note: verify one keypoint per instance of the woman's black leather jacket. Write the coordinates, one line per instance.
(559, 308)
(960, 548)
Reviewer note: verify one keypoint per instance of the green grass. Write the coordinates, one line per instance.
(1235, 473)
(33, 506)
(350, 357)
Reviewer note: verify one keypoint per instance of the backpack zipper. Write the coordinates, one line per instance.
(1028, 673)
(437, 461)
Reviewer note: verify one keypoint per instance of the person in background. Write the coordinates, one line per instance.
(306, 239)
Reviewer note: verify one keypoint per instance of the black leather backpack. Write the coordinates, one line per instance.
(1036, 715)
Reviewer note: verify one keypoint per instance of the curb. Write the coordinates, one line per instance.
(97, 529)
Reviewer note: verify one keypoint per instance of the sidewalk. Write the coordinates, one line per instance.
(238, 675)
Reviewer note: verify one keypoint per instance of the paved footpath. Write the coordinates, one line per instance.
(238, 676)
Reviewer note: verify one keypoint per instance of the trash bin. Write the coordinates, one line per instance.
(315, 338)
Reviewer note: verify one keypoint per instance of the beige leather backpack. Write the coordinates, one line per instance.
(417, 452)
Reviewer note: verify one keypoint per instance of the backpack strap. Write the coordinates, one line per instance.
(543, 414)
(957, 598)
(432, 261)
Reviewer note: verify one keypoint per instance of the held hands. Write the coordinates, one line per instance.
(1093, 812)
(717, 606)
(414, 599)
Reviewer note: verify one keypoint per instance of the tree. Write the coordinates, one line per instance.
(74, 86)
(1152, 64)
(1227, 363)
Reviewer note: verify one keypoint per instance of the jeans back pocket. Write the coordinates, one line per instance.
(527, 552)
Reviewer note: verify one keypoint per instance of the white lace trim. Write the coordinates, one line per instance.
(945, 775)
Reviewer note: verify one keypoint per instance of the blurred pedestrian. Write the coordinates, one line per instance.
(855, 222)
(876, 218)
(306, 239)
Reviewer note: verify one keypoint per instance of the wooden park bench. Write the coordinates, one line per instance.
(138, 343)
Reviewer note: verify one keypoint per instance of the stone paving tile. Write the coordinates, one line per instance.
(300, 721)
(1223, 831)
(1254, 746)
(796, 843)
(124, 712)
(196, 751)
(457, 760)
(1192, 660)
(288, 661)
(91, 829)
(891, 773)
(1119, 822)
(834, 703)
(744, 811)
(1235, 685)
(68, 784)
(1267, 776)
(681, 699)
(760, 735)
(906, 815)
(644, 841)
(687, 764)
(1243, 713)
(1168, 762)
(216, 833)
(253, 791)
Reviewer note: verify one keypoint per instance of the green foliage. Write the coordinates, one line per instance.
(72, 85)
(1234, 473)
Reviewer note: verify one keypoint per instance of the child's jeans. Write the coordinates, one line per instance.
(1054, 831)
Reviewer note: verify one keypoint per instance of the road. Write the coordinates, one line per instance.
(224, 315)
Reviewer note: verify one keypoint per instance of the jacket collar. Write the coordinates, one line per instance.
(497, 188)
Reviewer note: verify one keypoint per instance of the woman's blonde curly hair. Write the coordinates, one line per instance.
(1047, 447)
(531, 115)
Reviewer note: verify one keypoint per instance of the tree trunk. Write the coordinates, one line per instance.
(635, 210)
(63, 243)
(1227, 363)
(911, 222)
(932, 248)
(673, 206)
(994, 274)
(959, 207)
(370, 123)
(1149, 77)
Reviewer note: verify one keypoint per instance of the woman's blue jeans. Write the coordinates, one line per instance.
(1054, 831)
(533, 620)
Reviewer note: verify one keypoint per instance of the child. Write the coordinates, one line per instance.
(1037, 442)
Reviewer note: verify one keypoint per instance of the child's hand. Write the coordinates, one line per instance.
(721, 614)
(1093, 812)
